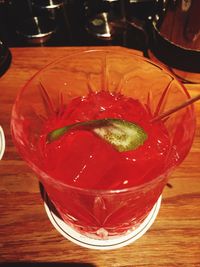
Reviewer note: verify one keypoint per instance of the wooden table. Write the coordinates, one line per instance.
(26, 234)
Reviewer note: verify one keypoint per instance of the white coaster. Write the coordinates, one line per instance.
(112, 243)
(2, 143)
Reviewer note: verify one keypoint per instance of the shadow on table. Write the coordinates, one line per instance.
(45, 264)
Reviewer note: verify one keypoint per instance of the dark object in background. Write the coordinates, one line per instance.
(121, 22)
(104, 19)
(37, 15)
(80, 22)
(55, 10)
(48, 4)
(5, 58)
(51, 8)
(175, 35)
(36, 30)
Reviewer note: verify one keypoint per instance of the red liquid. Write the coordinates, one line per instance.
(82, 159)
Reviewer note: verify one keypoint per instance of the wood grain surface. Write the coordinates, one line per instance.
(27, 236)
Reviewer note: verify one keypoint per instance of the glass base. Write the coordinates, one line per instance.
(2, 143)
(91, 243)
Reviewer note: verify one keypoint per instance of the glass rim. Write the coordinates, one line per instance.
(126, 51)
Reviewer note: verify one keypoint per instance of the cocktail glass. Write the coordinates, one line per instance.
(100, 219)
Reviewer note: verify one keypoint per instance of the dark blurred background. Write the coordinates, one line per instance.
(76, 22)
(165, 29)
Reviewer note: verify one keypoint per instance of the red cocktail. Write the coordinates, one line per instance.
(101, 190)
